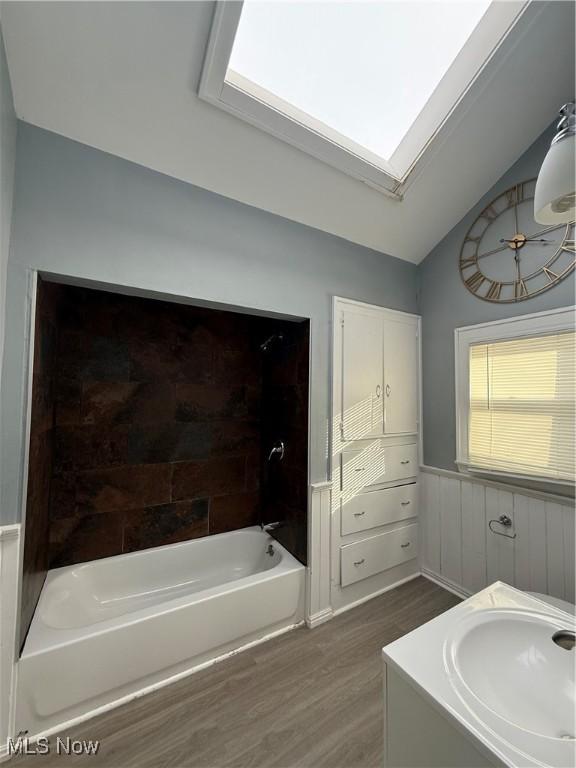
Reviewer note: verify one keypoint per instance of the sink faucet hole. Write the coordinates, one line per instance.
(564, 639)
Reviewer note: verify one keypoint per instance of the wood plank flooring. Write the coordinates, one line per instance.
(308, 698)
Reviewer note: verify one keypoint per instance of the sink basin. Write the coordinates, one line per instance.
(510, 664)
(499, 668)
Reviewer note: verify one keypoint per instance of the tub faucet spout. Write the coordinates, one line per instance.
(269, 527)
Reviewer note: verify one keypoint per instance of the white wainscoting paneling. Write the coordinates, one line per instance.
(430, 522)
(472, 506)
(530, 567)
(500, 549)
(450, 530)
(318, 609)
(9, 576)
(458, 548)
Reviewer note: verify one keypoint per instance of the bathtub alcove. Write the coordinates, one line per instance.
(150, 476)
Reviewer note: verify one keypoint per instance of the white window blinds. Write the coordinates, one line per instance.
(521, 418)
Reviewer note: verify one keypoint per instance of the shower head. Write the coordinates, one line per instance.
(270, 340)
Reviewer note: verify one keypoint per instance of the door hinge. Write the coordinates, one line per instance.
(342, 430)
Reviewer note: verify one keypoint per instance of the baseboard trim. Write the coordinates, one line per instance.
(66, 724)
(372, 595)
(446, 584)
(319, 618)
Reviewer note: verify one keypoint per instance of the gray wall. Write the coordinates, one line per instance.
(445, 304)
(8, 128)
(81, 212)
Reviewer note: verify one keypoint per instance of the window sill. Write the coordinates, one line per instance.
(533, 482)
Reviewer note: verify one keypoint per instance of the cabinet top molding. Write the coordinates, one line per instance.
(339, 300)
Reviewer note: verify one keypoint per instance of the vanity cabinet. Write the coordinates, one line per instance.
(379, 378)
(418, 735)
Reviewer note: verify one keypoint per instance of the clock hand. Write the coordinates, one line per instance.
(517, 260)
(494, 250)
(547, 229)
(527, 240)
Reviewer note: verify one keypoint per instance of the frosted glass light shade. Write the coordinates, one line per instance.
(555, 196)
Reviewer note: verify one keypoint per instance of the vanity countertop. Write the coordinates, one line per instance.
(499, 667)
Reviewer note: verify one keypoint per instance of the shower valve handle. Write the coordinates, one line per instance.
(277, 448)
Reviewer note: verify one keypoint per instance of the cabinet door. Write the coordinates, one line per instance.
(401, 376)
(362, 413)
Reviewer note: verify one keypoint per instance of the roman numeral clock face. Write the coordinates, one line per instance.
(507, 256)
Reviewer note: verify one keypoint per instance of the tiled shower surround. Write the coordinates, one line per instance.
(148, 427)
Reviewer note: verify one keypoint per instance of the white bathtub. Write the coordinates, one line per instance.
(107, 630)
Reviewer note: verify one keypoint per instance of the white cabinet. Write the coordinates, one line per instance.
(379, 373)
(377, 463)
(374, 452)
(373, 509)
(378, 553)
(400, 376)
(362, 371)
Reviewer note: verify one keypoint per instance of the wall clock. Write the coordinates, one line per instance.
(506, 256)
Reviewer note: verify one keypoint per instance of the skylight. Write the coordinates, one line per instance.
(366, 87)
(363, 70)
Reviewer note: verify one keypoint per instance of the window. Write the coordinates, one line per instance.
(363, 86)
(516, 397)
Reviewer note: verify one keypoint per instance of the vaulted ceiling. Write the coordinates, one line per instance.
(123, 77)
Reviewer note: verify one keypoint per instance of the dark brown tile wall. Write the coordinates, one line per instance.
(150, 424)
(40, 462)
(157, 424)
(285, 418)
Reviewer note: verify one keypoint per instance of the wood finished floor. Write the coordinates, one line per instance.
(308, 698)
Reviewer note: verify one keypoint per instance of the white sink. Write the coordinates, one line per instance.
(508, 663)
(491, 667)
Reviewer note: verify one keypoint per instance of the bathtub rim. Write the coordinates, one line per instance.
(43, 637)
(54, 572)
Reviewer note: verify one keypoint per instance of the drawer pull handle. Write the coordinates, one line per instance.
(358, 562)
(406, 461)
(405, 545)
(360, 469)
(404, 503)
(359, 514)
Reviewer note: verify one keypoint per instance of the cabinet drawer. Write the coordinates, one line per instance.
(362, 467)
(401, 461)
(377, 463)
(378, 553)
(374, 508)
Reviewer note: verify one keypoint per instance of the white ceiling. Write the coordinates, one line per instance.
(123, 76)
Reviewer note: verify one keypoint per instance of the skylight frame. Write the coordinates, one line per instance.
(253, 104)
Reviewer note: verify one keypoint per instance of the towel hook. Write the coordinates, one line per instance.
(506, 522)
